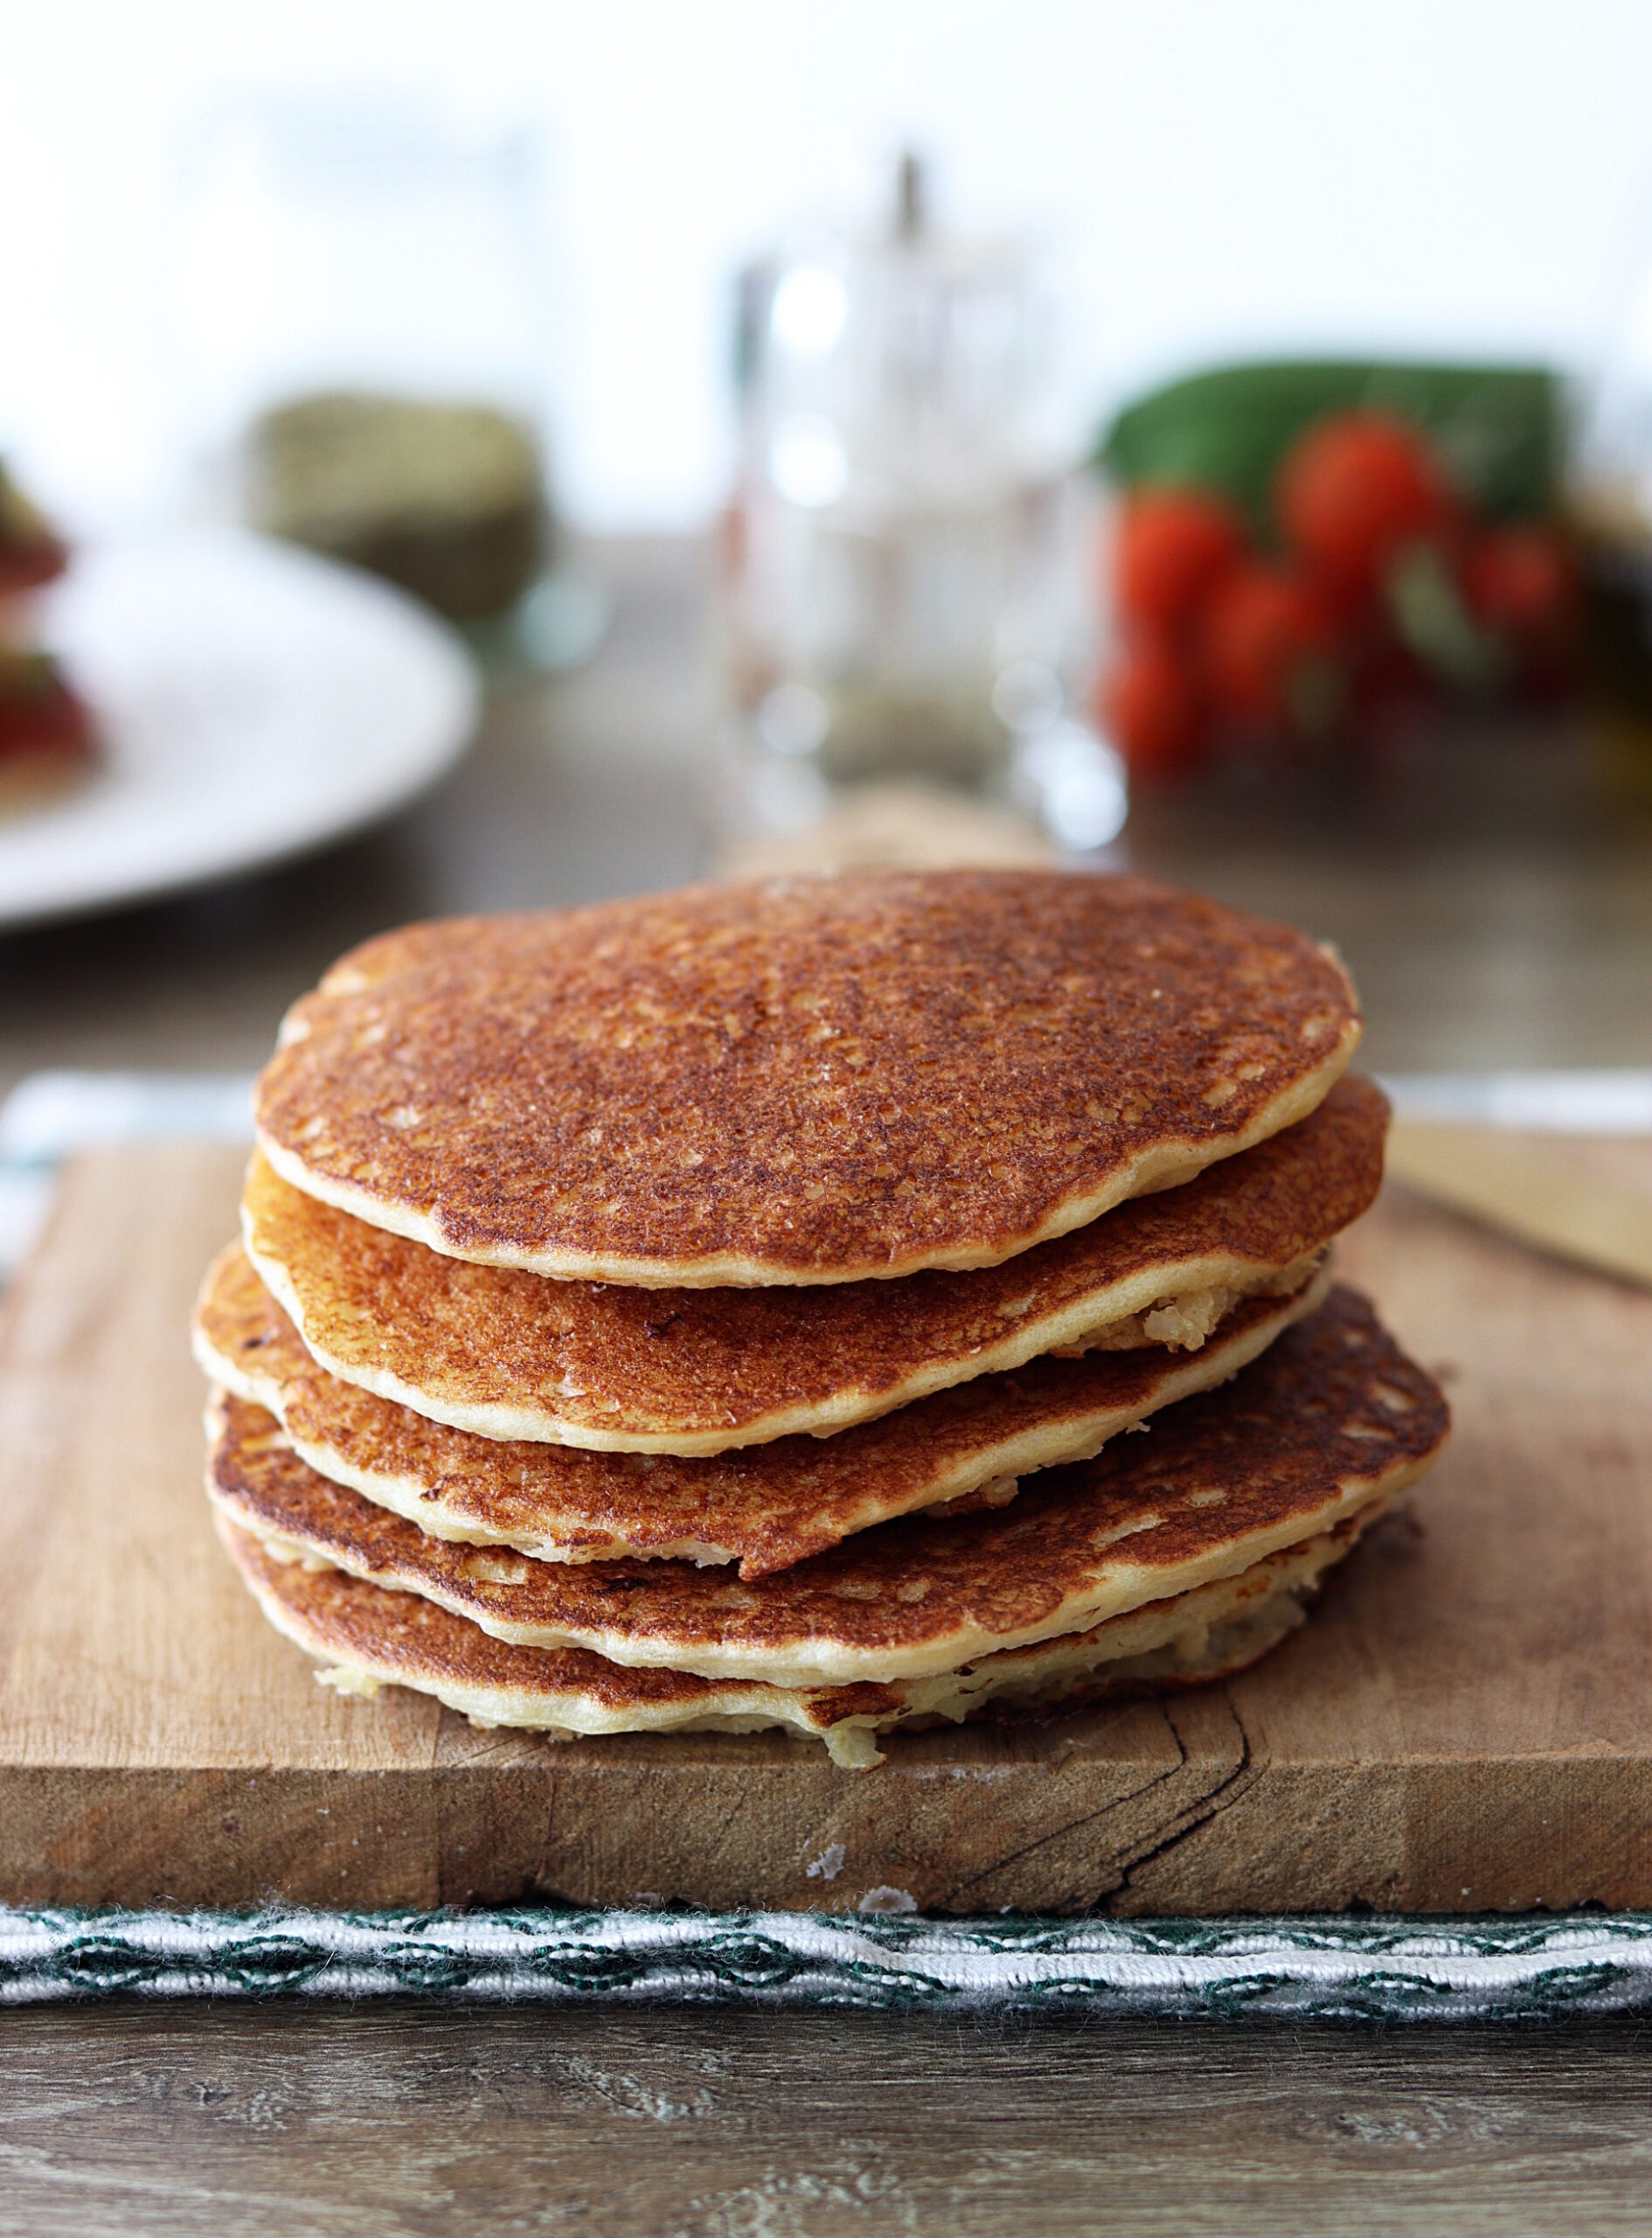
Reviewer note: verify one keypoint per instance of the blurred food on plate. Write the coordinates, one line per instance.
(446, 499)
(1306, 560)
(31, 551)
(47, 737)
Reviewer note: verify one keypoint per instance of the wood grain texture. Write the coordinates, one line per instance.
(1467, 1724)
(402, 2121)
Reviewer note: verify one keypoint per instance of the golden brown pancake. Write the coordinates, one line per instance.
(371, 1638)
(1332, 1416)
(765, 1506)
(510, 1355)
(802, 1081)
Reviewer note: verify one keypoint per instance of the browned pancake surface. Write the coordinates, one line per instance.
(412, 1640)
(765, 1506)
(1331, 1415)
(804, 1080)
(510, 1355)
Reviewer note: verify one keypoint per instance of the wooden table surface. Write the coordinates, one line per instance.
(1494, 912)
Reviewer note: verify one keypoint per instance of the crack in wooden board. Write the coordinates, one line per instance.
(1466, 1724)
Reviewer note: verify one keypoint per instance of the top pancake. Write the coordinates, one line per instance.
(802, 1080)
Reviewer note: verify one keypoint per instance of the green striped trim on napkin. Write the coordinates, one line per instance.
(1359, 1968)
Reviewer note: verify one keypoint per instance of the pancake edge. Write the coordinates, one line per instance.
(508, 1424)
(812, 1662)
(1024, 1455)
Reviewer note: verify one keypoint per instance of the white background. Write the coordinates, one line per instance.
(1213, 176)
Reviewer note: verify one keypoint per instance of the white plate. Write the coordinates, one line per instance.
(255, 702)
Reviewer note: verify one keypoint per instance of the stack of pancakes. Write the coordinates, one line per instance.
(726, 1309)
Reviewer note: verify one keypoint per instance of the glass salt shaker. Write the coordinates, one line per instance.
(907, 599)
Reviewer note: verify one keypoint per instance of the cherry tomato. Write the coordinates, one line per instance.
(1354, 488)
(1391, 692)
(1271, 650)
(1174, 546)
(1520, 580)
(1150, 706)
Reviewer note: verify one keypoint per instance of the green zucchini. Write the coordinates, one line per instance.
(1499, 428)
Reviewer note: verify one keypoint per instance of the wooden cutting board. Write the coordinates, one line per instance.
(1464, 1725)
